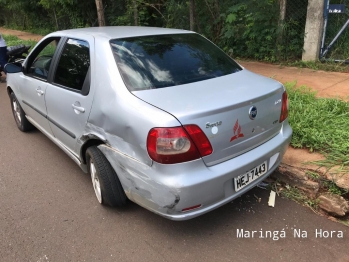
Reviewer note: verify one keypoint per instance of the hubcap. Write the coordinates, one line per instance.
(95, 182)
(17, 111)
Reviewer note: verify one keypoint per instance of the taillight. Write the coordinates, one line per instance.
(200, 139)
(284, 107)
(170, 145)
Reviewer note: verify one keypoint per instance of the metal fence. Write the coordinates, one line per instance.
(335, 44)
(270, 30)
(293, 27)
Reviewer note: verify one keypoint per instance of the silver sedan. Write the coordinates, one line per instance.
(161, 117)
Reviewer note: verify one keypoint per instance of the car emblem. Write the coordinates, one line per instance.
(218, 123)
(237, 131)
(252, 112)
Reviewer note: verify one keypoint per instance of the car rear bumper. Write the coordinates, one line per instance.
(168, 189)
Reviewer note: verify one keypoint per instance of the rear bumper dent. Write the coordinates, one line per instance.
(221, 189)
(168, 189)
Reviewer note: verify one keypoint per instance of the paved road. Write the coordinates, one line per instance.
(48, 212)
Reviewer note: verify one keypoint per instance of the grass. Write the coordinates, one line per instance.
(298, 196)
(331, 66)
(320, 124)
(327, 185)
(37, 31)
(14, 40)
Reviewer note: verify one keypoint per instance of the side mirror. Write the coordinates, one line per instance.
(13, 68)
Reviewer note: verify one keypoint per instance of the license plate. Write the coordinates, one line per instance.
(247, 178)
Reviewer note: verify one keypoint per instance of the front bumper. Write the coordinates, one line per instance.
(168, 189)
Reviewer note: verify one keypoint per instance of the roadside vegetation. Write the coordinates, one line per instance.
(331, 66)
(320, 124)
(14, 40)
(266, 30)
(249, 29)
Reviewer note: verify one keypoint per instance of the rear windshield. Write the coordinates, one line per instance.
(160, 61)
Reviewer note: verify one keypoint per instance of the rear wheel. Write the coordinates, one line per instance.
(22, 122)
(106, 184)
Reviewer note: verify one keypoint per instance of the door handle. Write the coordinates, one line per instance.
(78, 109)
(39, 91)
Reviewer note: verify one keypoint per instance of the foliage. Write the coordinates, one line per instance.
(14, 40)
(327, 185)
(245, 28)
(252, 29)
(318, 65)
(334, 189)
(298, 196)
(319, 124)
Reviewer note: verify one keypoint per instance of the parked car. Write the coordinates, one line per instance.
(162, 117)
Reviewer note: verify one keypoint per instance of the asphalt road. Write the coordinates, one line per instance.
(48, 212)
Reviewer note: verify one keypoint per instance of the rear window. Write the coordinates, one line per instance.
(160, 61)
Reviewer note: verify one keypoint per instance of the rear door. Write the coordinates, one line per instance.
(68, 97)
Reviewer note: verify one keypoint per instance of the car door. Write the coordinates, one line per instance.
(34, 80)
(68, 96)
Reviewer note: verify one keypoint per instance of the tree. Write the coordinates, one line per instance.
(100, 12)
(191, 14)
(135, 12)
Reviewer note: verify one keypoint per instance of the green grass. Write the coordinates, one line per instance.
(298, 196)
(14, 40)
(37, 31)
(329, 66)
(319, 124)
(318, 65)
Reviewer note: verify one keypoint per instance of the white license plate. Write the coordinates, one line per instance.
(245, 179)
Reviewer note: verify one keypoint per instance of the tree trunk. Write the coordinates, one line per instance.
(196, 21)
(283, 4)
(100, 13)
(279, 40)
(219, 23)
(54, 14)
(135, 12)
(191, 14)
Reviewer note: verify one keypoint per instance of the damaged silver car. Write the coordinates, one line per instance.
(161, 117)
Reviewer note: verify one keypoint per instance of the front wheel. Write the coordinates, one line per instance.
(106, 184)
(22, 122)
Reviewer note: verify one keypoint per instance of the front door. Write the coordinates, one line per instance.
(34, 82)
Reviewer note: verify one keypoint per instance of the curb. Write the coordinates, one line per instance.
(316, 186)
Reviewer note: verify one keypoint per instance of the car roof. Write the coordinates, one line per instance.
(112, 32)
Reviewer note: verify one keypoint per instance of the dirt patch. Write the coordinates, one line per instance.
(327, 84)
(20, 34)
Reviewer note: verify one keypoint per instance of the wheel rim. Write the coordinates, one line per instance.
(95, 182)
(17, 110)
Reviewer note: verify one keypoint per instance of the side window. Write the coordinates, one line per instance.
(39, 64)
(73, 64)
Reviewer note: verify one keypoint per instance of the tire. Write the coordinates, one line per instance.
(105, 181)
(21, 121)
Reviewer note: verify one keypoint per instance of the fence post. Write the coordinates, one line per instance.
(313, 30)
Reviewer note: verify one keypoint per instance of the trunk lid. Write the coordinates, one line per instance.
(237, 112)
